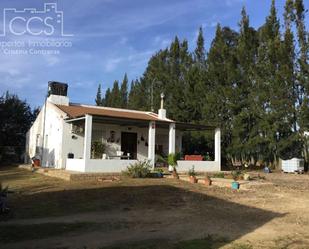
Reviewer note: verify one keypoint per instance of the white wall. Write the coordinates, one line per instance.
(71, 145)
(199, 166)
(32, 141)
(50, 148)
(107, 166)
(75, 164)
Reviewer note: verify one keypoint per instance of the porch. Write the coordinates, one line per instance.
(127, 141)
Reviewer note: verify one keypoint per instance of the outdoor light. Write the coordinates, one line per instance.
(162, 95)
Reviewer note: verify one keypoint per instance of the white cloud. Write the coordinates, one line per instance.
(51, 60)
(111, 64)
(230, 3)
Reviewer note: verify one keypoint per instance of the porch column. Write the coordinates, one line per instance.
(87, 138)
(171, 138)
(218, 146)
(151, 142)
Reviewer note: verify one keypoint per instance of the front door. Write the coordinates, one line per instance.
(129, 144)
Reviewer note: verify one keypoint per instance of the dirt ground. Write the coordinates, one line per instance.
(52, 213)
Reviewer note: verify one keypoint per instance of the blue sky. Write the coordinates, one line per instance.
(111, 37)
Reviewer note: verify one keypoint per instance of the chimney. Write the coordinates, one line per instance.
(57, 93)
(162, 111)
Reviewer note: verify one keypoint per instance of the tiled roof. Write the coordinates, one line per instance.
(74, 111)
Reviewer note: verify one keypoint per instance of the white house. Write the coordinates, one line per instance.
(63, 133)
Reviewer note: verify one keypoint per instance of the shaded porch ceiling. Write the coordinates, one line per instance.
(142, 123)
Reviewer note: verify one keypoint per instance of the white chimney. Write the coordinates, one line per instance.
(162, 111)
(57, 93)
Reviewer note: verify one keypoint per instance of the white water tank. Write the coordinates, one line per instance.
(293, 165)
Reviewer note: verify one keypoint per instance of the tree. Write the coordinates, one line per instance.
(115, 95)
(218, 93)
(243, 119)
(16, 118)
(199, 52)
(124, 92)
(108, 98)
(302, 64)
(99, 100)
(254, 84)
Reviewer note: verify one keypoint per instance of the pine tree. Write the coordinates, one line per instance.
(253, 84)
(302, 65)
(108, 98)
(115, 95)
(99, 99)
(244, 119)
(221, 66)
(199, 53)
(124, 92)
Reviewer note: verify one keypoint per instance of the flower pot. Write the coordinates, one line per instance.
(235, 185)
(207, 182)
(175, 174)
(246, 177)
(193, 179)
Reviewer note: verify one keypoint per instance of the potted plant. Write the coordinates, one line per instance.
(207, 180)
(97, 149)
(192, 175)
(172, 161)
(235, 183)
(247, 176)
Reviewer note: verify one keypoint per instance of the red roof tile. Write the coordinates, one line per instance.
(74, 111)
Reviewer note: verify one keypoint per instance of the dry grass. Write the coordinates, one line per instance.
(154, 213)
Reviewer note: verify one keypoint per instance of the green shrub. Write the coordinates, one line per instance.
(219, 175)
(236, 174)
(192, 172)
(140, 169)
(172, 160)
(97, 149)
(159, 170)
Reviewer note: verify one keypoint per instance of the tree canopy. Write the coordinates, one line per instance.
(253, 82)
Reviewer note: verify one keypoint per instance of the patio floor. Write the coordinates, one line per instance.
(73, 175)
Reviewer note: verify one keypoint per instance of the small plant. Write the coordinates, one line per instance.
(140, 169)
(192, 172)
(207, 180)
(97, 149)
(192, 175)
(206, 157)
(161, 159)
(207, 177)
(219, 175)
(172, 160)
(236, 174)
(159, 170)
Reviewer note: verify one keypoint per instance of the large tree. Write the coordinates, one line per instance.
(16, 118)
(124, 92)
(99, 100)
(254, 83)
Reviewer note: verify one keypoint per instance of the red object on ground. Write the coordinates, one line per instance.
(37, 162)
(193, 158)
